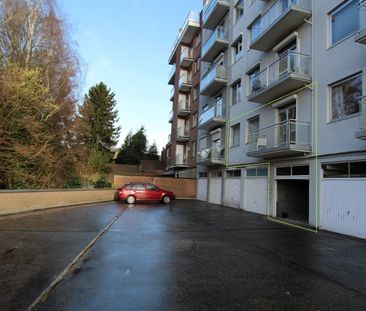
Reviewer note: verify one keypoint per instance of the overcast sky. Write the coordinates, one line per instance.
(126, 44)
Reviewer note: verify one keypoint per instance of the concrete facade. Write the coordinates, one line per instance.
(298, 125)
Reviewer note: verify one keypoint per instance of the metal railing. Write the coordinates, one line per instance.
(171, 116)
(215, 153)
(281, 135)
(184, 104)
(363, 113)
(181, 159)
(192, 17)
(291, 62)
(216, 72)
(172, 92)
(210, 6)
(216, 111)
(220, 33)
(172, 71)
(184, 79)
(279, 8)
(186, 53)
(362, 12)
(182, 132)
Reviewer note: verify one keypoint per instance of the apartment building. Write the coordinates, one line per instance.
(181, 150)
(282, 112)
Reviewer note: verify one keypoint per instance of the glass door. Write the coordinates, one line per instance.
(287, 128)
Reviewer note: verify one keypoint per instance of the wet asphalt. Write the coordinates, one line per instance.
(188, 255)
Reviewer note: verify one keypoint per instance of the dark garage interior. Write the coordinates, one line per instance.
(293, 199)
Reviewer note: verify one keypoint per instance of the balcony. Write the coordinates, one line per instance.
(184, 108)
(172, 93)
(362, 133)
(185, 83)
(172, 75)
(188, 31)
(214, 80)
(217, 43)
(214, 11)
(289, 73)
(287, 138)
(212, 117)
(282, 18)
(179, 160)
(186, 57)
(182, 134)
(361, 35)
(211, 156)
(169, 139)
(171, 117)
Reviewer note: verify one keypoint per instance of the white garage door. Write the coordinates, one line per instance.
(232, 192)
(215, 190)
(343, 206)
(202, 189)
(255, 195)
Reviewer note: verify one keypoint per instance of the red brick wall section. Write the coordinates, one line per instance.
(182, 188)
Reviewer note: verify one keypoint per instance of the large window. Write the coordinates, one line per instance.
(344, 21)
(236, 93)
(235, 135)
(239, 10)
(253, 128)
(238, 49)
(346, 96)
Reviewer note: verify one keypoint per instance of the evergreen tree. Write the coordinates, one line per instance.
(134, 148)
(152, 152)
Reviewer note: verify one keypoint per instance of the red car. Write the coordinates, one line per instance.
(139, 191)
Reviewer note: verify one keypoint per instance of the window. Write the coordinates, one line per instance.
(346, 96)
(193, 149)
(202, 174)
(195, 92)
(235, 135)
(239, 10)
(138, 187)
(299, 170)
(216, 174)
(255, 83)
(257, 172)
(236, 93)
(253, 128)
(344, 170)
(238, 50)
(344, 21)
(194, 119)
(151, 187)
(233, 173)
(203, 142)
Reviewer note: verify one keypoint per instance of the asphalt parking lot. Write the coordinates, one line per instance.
(188, 255)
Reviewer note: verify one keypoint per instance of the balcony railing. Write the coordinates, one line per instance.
(193, 17)
(279, 8)
(172, 74)
(362, 133)
(207, 11)
(181, 159)
(184, 105)
(212, 155)
(290, 135)
(216, 111)
(171, 116)
(220, 33)
(289, 63)
(186, 53)
(169, 138)
(361, 35)
(216, 73)
(182, 132)
(172, 93)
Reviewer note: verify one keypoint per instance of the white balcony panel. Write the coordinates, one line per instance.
(217, 43)
(214, 12)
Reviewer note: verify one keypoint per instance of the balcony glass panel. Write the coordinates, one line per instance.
(217, 72)
(184, 104)
(220, 33)
(281, 136)
(186, 53)
(184, 79)
(181, 159)
(362, 10)
(182, 132)
(210, 7)
(363, 113)
(279, 8)
(215, 153)
(291, 62)
(215, 111)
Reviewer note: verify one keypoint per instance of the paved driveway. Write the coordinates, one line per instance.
(187, 256)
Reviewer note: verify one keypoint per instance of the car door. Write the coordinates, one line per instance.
(153, 193)
(140, 191)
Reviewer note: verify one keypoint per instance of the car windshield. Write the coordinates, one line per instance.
(151, 187)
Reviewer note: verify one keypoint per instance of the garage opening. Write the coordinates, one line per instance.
(293, 200)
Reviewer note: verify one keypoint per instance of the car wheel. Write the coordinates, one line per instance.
(131, 199)
(166, 199)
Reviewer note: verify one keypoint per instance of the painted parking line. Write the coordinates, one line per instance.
(45, 294)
